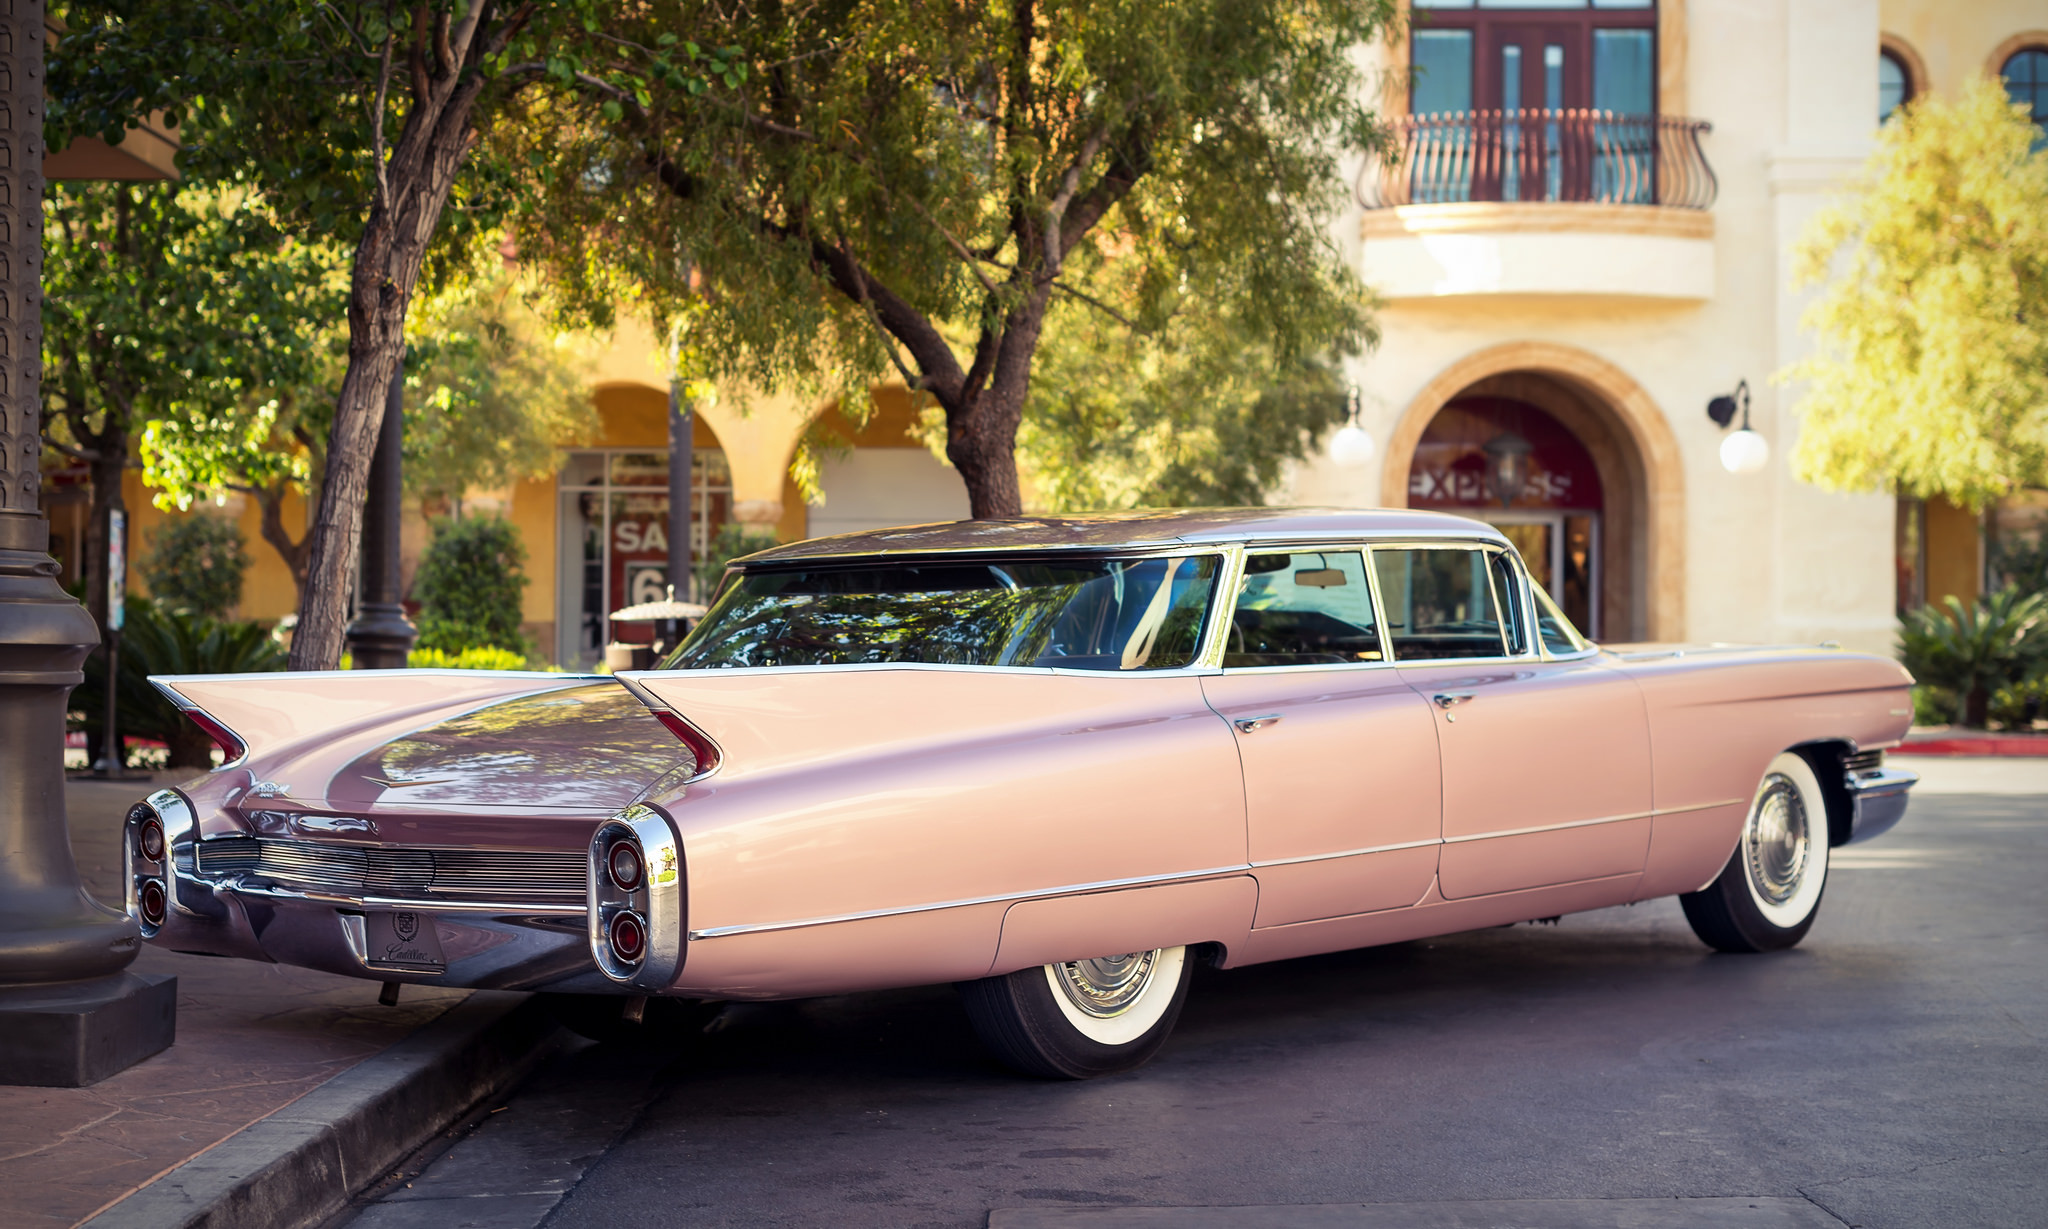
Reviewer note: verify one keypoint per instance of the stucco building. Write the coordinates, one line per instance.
(1587, 239)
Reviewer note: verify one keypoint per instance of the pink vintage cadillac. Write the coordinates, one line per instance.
(1054, 760)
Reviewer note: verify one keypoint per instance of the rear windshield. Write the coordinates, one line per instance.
(1068, 613)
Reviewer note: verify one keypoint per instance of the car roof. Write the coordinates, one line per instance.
(1139, 528)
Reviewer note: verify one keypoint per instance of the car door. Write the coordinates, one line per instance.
(1338, 751)
(1546, 761)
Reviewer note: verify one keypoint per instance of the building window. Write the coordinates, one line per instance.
(2026, 81)
(1894, 84)
(612, 539)
(1512, 55)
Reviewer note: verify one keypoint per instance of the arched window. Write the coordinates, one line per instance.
(2026, 80)
(1894, 84)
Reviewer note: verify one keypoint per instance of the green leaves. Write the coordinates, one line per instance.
(1931, 374)
(1973, 651)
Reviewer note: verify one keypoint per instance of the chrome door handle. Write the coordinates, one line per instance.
(1448, 699)
(1246, 725)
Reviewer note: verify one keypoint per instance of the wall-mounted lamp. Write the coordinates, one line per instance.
(1351, 447)
(1744, 452)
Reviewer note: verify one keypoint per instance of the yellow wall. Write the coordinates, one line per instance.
(267, 590)
(1951, 40)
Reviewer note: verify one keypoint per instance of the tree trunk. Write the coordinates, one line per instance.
(270, 501)
(419, 175)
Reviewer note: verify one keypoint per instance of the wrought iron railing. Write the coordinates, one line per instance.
(1542, 155)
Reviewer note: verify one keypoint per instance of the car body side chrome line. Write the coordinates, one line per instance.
(1072, 889)
(1590, 823)
(1344, 853)
(720, 932)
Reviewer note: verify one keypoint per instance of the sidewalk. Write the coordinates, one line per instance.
(252, 1038)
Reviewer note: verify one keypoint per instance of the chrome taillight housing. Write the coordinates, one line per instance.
(150, 839)
(635, 904)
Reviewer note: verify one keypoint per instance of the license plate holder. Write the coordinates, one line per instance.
(403, 941)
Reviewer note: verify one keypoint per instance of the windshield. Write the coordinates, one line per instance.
(1069, 613)
(1560, 638)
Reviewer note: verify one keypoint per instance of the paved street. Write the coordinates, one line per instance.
(1891, 1072)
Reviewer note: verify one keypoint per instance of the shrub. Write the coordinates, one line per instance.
(479, 658)
(1974, 651)
(159, 639)
(469, 586)
(197, 563)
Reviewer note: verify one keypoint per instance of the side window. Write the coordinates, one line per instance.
(1560, 638)
(1439, 603)
(1310, 608)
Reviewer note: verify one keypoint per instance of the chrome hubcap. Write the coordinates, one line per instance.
(1108, 985)
(1777, 840)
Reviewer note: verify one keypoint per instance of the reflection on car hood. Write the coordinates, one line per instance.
(592, 749)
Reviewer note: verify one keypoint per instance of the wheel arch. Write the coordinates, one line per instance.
(1828, 758)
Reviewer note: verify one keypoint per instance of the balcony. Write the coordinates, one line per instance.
(1540, 203)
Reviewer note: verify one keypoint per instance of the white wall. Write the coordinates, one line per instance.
(877, 488)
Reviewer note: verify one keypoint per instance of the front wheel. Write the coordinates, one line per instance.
(1765, 899)
(1081, 1018)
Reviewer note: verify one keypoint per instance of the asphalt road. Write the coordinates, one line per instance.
(1890, 1072)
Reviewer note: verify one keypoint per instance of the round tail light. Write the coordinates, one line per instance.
(628, 936)
(625, 866)
(149, 839)
(150, 899)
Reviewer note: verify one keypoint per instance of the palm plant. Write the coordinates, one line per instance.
(1973, 651)
(159, 640)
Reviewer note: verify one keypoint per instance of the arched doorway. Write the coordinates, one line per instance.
(1507, 462)
(1635, 558)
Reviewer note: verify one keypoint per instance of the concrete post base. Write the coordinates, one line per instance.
(71, 1035)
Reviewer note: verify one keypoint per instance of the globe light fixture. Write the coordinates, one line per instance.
(1351, 447)
(1744, 452)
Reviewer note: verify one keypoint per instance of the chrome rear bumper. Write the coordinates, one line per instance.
(1878, 800)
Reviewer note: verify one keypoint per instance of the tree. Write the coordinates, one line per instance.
(898, 187)
(491, 391)
(164, 302)
(1199, 412)
(1931, 376)
(357, 119)
(489, 395)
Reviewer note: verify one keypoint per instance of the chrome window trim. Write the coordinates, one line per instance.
(1245, 550)
(1230, 562)
(1488, 546)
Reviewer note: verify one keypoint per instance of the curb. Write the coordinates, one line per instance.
(301, 1164)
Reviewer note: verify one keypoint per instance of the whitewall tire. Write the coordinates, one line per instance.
(1767, 895)
(1081, 1018)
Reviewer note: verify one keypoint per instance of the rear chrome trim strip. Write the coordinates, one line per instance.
(236, 887)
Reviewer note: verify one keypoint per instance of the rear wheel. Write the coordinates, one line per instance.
(602, 1018)
(1081, 1018)
(1766, 897)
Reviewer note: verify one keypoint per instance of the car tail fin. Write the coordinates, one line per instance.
(253, 713)
(702, 747)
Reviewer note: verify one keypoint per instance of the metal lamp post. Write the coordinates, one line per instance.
(70, 1013)
(380, 637)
